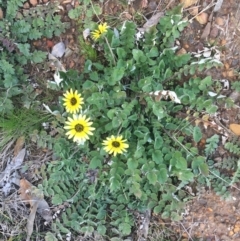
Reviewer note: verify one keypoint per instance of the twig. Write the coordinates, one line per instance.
(189, 236)
(206, 8)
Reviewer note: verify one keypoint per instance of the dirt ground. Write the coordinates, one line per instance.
(207, 217)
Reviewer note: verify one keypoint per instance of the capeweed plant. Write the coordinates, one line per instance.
(18, 27)
(136, 92)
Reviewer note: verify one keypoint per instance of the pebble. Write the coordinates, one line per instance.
(33, 2)
(219, 21)
(214, 32)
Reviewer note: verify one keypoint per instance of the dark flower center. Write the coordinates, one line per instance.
(115, 144)
(79, 128)
(73, 101)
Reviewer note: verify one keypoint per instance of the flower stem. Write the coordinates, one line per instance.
(113, 57)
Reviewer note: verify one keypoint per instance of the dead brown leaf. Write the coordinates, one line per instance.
(19, 145)
(152, 21)
(31, 219)
(25, 187)
(235, 128)
(30, 194)
(188, 3)
(34, 196)
(202, 18)
(181, 51)
(206, 31)
(126, 15)
(144, 3)
(193, 11)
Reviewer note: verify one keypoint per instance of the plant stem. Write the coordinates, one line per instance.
(113, 57)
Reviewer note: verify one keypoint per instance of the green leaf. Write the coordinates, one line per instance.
(165, 215)
(94, 76)
(88, 84)
(197, 161)
(158, 142)
(95, 162)
(158, 209)
(153, 52)
(185, 175)
(87, 229)
(204, 169)
(114, 184)
(205, 83)
(139, 56)
(116, 122)
(125, 228)
(24, 49)
(38, 56)
(135, 189)
(181, 163)
(197, 134)
(101, 229)
(75, 13)
(117, 75)
(175, 216)
(145, 84)
(162, 175)
(157, 156)
(116, 239)
(56, 200)
(211, 109)
(50, 237)
(132, 163)
(168, 73)
(152, 177)
(121, 53)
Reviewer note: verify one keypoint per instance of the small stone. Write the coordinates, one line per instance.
(69, 7)
(236, 229)
(26, 5)
(152, 6)
(219, 21)
(72, 64)
(223, 42)
(214, 32)
(181, 51)
(235, 62)
(202, 18)
(34, 2)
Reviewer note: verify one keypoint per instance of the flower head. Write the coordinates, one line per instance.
(102, 28)
(72, 101)
(79, 128)
(115, 145)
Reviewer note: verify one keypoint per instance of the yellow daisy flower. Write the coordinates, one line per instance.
(115, 145)
(79, 128)
(102, 28)
(72, 101)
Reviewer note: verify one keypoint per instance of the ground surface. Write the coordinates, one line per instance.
(207, 216)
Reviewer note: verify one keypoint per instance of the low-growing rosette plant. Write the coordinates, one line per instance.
(135, 153)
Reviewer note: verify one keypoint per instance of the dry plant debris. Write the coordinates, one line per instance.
(33, 196)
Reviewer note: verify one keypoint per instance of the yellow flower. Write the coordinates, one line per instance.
(115, 145)
(79, 128)
(102, 28)
(72, 101)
